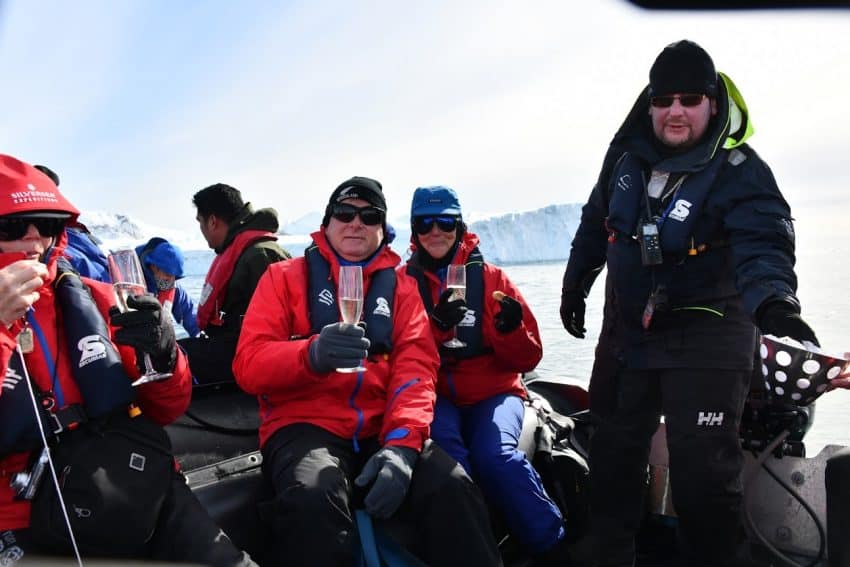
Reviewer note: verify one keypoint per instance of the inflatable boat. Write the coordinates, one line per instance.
(796, 506)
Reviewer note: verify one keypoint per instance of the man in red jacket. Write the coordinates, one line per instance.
(61, 334)
(325, 432)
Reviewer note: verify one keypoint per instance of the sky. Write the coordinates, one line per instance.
(138, 104)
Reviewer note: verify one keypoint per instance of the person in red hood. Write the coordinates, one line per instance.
(479, 410)
(80, 381)
(325, 433)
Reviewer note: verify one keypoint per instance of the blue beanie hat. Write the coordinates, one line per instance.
(437, 200)
(167, 257)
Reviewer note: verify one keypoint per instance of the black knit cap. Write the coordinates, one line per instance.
(683, 67)
(364, 188)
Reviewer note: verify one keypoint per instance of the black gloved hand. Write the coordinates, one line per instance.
(510, 316)
(338, 346)
(780, 319)
(448, 313)
(147, 329)
(572, 313)
(391, 468)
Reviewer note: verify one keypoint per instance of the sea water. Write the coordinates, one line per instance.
(565, 357)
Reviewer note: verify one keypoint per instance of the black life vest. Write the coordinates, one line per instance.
(95, 363)
(377, 305)
(469, 329)
(676, 224)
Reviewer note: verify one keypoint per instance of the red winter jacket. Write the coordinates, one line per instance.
(472, 380)
(272, 360)
(161, 401)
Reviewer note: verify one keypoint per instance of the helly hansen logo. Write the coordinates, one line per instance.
(710, 418)
(624, 182)
(326, 296)
(91, 349)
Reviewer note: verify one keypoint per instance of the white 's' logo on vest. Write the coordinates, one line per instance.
(91, 349)
(710, 418)
(624, 182)
(468, 319)
(326, 296)
(383, 307)
(12, 378)
(681, 210)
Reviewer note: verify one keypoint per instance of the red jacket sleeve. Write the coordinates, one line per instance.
(269, 356)
(521, 349)
(414, 363)
(162, 401)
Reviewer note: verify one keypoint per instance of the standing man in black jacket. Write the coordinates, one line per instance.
(245, 244)
(699, 246)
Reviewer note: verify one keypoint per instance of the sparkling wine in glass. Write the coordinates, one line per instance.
(456, 281)
(350, 296)
(128, 279)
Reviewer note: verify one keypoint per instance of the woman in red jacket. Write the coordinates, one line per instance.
(479, 410)
(62, 333)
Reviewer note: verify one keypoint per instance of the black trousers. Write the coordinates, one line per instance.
(702, 411)
(185, 533)
(210, 359)
(312, 472)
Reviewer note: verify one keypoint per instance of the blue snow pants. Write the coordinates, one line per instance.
(483, 438)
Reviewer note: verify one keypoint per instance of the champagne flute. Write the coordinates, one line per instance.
(456, 281)
(350, 295)
(128, 279)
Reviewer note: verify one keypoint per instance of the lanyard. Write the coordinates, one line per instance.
(51, 365)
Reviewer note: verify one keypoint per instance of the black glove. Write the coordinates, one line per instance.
(447, 314)
(391, 469)
(572, 313)
(780, 319)
(510, 316)
(338, 346)
(146, 328)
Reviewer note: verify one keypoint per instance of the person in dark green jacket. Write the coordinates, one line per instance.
(245, 244)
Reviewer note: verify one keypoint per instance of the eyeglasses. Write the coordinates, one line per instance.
(423, 225)
(666, 101)
(14, 228)
(370, 216)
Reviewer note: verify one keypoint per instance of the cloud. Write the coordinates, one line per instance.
(140, 104)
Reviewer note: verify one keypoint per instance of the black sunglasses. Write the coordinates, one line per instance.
(423, 225)
(14, 228)
(370, 216)
(666, 101)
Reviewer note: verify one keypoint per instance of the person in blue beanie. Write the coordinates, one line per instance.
(162, 263)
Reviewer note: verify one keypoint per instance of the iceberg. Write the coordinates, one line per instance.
(540, 235)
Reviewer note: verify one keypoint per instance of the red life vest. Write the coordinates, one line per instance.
(215, 285)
